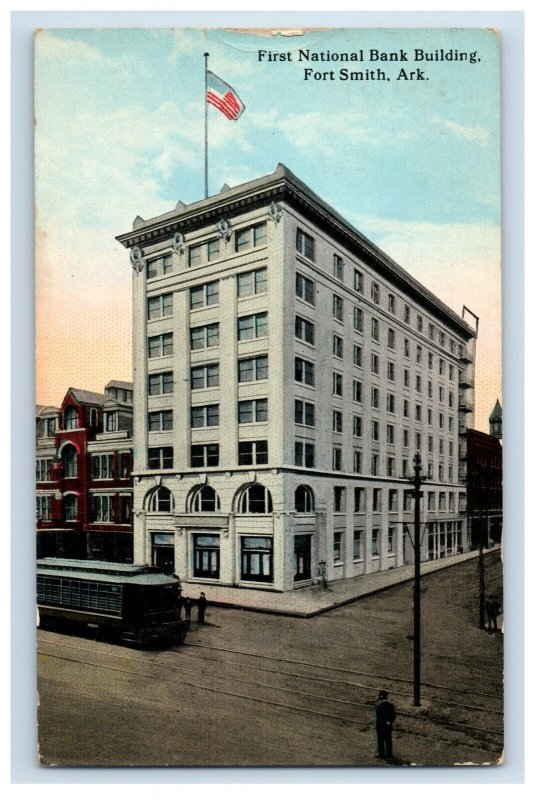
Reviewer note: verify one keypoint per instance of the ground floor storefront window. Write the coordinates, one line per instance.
(444, 539)
(302, 557)
(112, 546)
(163, 551)
(257, 558)
(61, 544)
(206, 559)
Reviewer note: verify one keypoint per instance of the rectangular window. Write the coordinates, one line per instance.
(337, 459)
(160, 420)
(375, 430)
(337, 384)
(160, 383)
(357, 355)
(338, 346)
(42, 469)
(430, 444)
(390, 434)
(357, 425)
(160, 457)
(338, 267)
(406, 378)
(205, 416)
(195, 255)
(374, 467)
(304, 371)
(375, 329)
(441, 366)
(338, 308)
(205, 376)
(431, 501)
(254, 282)
(160, 306)
(304, 454)
(304, 288)
(253, 326)
(252, 369)
(162, 265)
(375, 292)
(204, 455)
(430, 389)
(358, 280)
(391, 303)
(431, 331)
(359, 499)
(337, 422)
(204, 336)
(205, 295)
(375, 397)
(252, 411)
(405, 437)
(357, 545)
(337, 547)
(304, 330)
(407, 500)
(43, 507)
(304, 413)
(393, 500)
(253, 236)
(418, 354)
(357, 391)
(391, 467)
(418, 383)
(358, 323)
(391, 538)
(406, 408)
(357, 461)
(390, 371)
(376, 506)
(430, 360)
(375, 364)
(442, 501)
(419, 323)
(339, 499)
(161, 345)
(451, 372)
(407, 314)
(375, 541)
(212, 249)
(304, 244)
(429, 416)
(252, 453)
(102, 466)
(102, 506)
(418, 412)
(391, 339)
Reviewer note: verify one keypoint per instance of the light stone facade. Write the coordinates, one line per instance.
(372, 402)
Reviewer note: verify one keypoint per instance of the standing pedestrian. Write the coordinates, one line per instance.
(495, 609)
(385, 714)
(188, 605)
(179, 603)
(202, 602)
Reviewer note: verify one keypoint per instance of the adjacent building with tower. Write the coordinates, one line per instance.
(484, 489)
(286, 371)
(83, 474)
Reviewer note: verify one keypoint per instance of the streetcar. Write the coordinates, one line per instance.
(134, 603)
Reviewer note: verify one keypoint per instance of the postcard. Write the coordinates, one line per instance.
(268, 421)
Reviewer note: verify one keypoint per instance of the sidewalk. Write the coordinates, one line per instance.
(312, 600)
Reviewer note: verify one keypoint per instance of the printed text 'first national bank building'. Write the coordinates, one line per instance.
(286, 371)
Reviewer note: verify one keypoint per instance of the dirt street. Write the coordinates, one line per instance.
(258, 689)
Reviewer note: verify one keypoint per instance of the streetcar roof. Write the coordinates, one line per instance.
(104, 571)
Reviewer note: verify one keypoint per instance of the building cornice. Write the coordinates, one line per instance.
(283, 186)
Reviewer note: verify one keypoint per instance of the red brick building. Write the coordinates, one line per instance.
(83, 474)
(484, 484)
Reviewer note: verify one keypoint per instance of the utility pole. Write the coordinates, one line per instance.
(417, 481)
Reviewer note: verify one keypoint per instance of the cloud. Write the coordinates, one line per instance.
(474, 134)
(49, 46)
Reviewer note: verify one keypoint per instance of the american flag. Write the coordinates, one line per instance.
(223, 97)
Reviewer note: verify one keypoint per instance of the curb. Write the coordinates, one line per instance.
(282, 612)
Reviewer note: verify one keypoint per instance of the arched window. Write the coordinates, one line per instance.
(160, 500)
(255, 499)
(70, 507)
(93, 417)
(204, 498)
(69, 461)
(70, 419)
(304, 499)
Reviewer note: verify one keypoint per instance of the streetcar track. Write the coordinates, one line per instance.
(445, 723)
(482, 709)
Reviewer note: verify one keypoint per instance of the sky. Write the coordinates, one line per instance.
(119, 126)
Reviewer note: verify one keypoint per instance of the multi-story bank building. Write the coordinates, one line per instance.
(286, 371)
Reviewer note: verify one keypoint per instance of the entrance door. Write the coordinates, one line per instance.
(163, 552)
(302, 558)
(257, 558)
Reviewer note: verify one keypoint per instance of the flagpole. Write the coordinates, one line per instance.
(206, 124)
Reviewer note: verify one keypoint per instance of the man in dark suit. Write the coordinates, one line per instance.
(385, 714)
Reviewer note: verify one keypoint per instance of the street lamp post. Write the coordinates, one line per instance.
(417, 481)
(481, 558)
